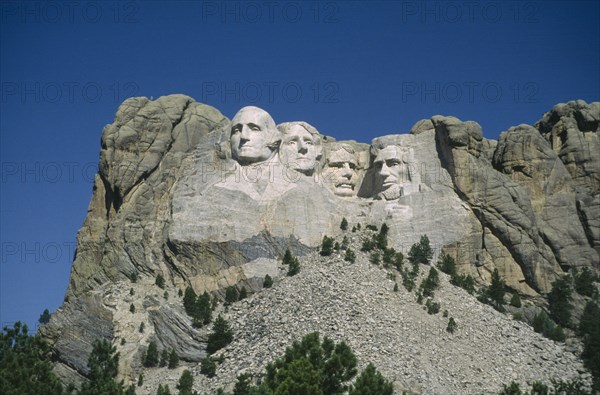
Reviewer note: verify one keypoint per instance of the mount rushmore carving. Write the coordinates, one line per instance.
(297, 146)
(206, 202)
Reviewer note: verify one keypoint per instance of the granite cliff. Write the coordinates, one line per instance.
(208, 202)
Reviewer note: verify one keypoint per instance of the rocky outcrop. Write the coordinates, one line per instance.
(573, 132)
(209, 203)
(356, 303)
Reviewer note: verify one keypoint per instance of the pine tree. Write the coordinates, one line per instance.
(375, 258)
(381, 237)
(344, 224)
(430, 283)
(426, 251)
(164, 358)
(242, 386)
(103, 363)
(389, 255)
(399, 261)
(371, 382)
(221, 336)
(132, 308)
(163, 389)
(208, 367)
(294, 267)
(202, 310)
(515, 301)
(589, 329)
(160, 281)
(173, 360)
(189, 301)
(345, 243)
(420, 252)
(350, 256)
(268, 282)
(186, 382)
(559, 301)
(243, 293)
(25, 366)
(584, 282)
(451, 328)
(326, 246)
(367, 246)
(447, 265)
(311, 367)
(287, 257)
(151, 356)
(231, 295)
(45, 317)
(497, 290)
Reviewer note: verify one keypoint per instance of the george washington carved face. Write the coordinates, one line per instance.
(254, 137)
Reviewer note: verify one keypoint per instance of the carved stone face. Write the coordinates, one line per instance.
(253, 136)
(341, 173)
(298, 149)
(391, 165)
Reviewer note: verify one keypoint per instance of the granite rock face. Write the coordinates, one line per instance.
(206, 202)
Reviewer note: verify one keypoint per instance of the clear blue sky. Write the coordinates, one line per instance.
(355, 70)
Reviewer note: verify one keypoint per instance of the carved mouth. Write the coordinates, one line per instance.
(345, 185)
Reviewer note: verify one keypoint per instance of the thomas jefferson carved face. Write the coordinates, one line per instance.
(392, 170)
(300, 147)
(254, 136)
(341, 172)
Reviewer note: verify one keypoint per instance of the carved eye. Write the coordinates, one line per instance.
(255, 128)
(292, 142)
(352, 166)
(309, 142)
(236, 129)
(393, 162)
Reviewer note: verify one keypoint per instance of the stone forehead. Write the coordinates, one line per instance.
(385, 141)
(255, 111)
(397, 140)
(336, 146)
(286, 127)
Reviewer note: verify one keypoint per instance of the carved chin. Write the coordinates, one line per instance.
(392, 193)
(304, 165)
(252, 155)
(344, 190)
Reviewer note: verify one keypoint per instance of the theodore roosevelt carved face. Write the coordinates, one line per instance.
(341, 169)
(300, 147)
(254, 137)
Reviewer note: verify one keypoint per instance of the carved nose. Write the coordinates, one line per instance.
(245, 135)
(385, 171)
(302, 148)
(346, 171)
